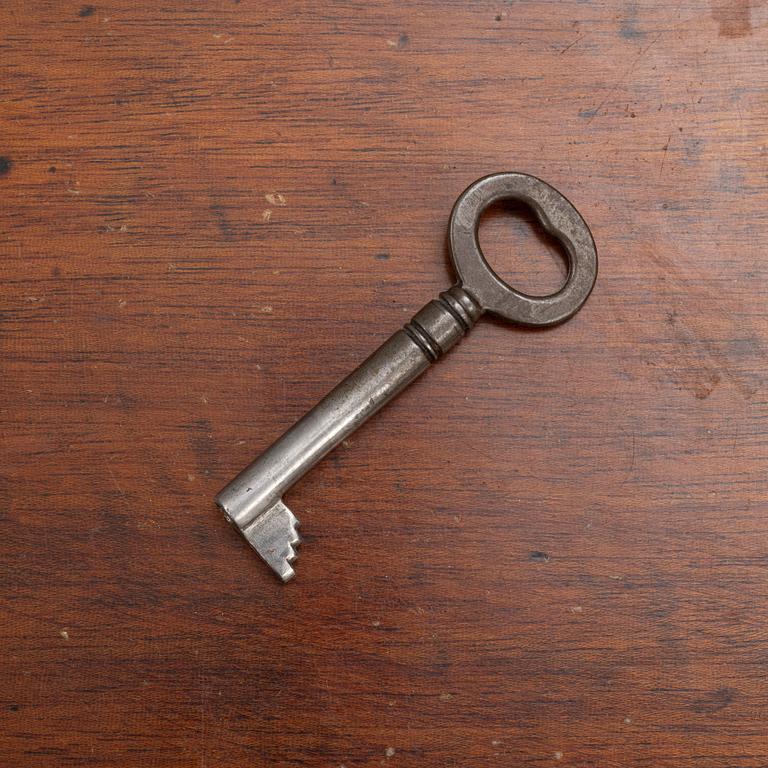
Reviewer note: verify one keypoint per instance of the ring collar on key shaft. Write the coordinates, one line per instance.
(558, 217)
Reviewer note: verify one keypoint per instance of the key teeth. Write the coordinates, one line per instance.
(274, 535)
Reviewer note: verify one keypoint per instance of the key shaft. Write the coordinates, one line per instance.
(257, 491)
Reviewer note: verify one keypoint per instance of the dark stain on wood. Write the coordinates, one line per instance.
(628, 28)
(715, 701)
(734, 17)
(222, 221)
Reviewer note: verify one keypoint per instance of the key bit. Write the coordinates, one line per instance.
(253, 500)
(273, 535)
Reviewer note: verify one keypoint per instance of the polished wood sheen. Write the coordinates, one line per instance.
(550, 551)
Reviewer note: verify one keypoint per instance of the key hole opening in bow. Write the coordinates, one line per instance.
(520, 251)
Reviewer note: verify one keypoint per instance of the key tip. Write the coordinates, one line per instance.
(274, 535)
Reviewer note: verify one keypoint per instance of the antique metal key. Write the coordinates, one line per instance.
(253, 500)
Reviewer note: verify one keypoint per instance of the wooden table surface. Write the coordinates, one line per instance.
(552, 550)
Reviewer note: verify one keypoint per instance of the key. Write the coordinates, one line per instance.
(253, 501)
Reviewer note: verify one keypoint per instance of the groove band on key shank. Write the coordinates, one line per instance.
(441, 323)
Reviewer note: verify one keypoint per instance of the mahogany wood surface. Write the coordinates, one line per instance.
(550, 551)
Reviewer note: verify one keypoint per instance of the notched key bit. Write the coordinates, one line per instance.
(273, 534)
(253, 500)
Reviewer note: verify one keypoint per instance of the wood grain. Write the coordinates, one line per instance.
(550, 551)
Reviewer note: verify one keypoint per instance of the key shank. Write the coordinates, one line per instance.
(252, 501)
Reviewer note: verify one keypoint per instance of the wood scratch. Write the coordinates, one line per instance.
(664, 154)
(570, 45)
(114, 480)
(626, 74)
(631, 467)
